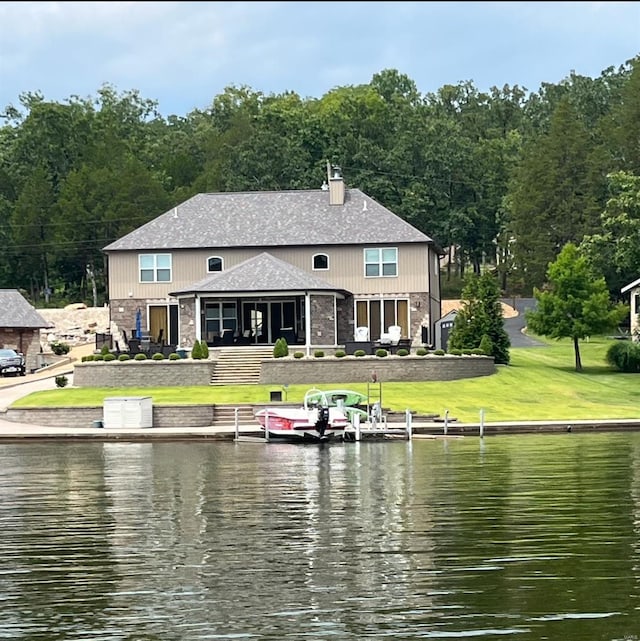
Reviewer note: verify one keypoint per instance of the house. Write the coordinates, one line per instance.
(248, 268)
(20, 326)
(634, 292)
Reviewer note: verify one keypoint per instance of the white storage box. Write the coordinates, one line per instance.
(128, 411)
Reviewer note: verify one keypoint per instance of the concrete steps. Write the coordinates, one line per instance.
(239, 365)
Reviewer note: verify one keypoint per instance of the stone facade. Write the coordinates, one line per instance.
(188, 322)
(322, 320)
(123, 314)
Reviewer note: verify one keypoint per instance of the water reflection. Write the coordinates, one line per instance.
(535, 537)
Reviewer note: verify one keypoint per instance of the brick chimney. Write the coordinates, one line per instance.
(336, 185)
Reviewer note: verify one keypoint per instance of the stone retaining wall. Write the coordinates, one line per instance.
(312, 371)
(147, 373)
(78, 417)
(280, 371)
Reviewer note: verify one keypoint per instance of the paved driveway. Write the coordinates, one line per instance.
(515, 325)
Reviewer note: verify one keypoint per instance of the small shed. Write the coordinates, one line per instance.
(443, 328)
(634, 292)
(127, 412)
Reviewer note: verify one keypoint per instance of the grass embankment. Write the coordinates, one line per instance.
(540, 384)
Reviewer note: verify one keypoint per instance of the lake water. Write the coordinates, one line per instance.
(525, 537)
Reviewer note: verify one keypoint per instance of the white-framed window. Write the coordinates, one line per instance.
(320, 262)
(381, 261)
(215, 264)
(155, 268)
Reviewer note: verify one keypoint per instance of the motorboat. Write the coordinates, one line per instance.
(337, 397)
(323, 416)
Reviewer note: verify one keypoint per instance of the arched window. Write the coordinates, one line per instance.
(214, 264)
(321, 261)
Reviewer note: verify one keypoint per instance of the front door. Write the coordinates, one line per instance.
(255, 317)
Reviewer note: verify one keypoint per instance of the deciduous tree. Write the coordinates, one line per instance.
(575, 303)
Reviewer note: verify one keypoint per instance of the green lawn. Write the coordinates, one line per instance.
(540, 383)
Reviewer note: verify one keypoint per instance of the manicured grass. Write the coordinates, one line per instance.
(540, 383)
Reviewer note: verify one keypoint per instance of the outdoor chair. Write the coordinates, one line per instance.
(395, 332)
(362, 334)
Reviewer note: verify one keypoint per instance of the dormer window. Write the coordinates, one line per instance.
(321, 261)
(214, 264)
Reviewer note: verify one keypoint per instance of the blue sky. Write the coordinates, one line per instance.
(183, 54)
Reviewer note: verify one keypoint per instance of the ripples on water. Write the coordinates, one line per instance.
(531, 537)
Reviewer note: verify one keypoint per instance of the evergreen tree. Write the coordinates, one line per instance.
(480, 318)
(552, 197)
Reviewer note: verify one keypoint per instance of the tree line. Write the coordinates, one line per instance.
(501, 180)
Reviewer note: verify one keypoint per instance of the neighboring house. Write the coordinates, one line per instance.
(247, 268)
(20, 326)
(634, 292)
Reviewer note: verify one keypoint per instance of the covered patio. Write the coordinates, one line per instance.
(259, 301)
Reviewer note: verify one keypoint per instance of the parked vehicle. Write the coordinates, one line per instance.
(11, 363)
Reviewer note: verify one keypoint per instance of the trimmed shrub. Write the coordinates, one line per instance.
(624, 356)
(174, 357)
(477, 352)
(61, 381)
(124, 357)
(196, 350)
(60, 349)
(359, 353)
(439, 352)
(486, 345)
(158, 356)
(381, 353)
(298, 355)
(421, 351)
(466, 351)
(140, 357)
(88, 358)
(318, 353)
(98, 357)
(105, 350)
(280, 348)
(402, 352)
(109, 357)
(340, 353)
(204, 350)
(455, 352)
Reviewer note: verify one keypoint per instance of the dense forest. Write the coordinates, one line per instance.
(500, 180)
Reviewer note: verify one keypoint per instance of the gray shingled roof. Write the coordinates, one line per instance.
(271, 219)
(262, 273)
(16, 312)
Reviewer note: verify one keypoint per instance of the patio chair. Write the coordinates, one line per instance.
(361, 334)
(395, 332)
